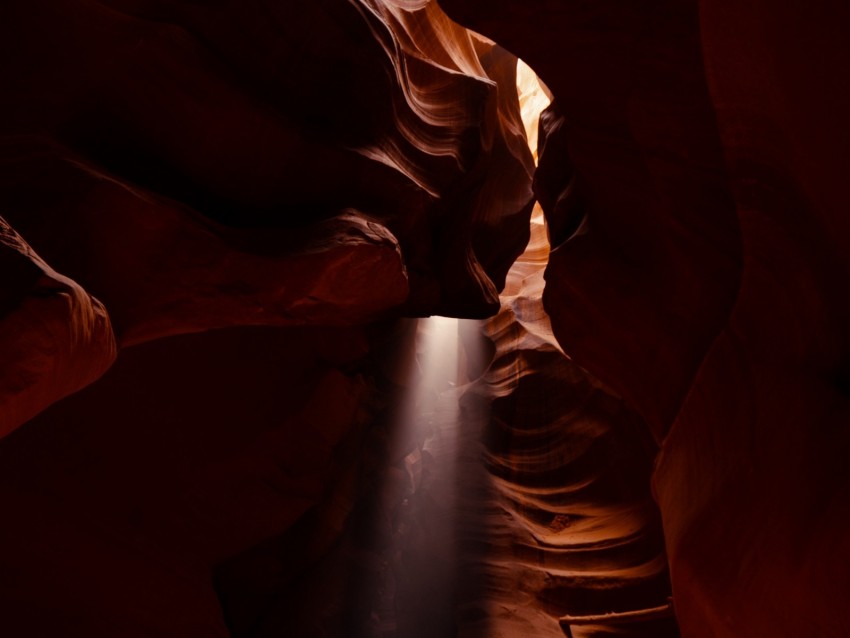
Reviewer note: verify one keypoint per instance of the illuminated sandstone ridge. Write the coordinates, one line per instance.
(250, 194)
(570, 527)
(692, 176)
(198, 166)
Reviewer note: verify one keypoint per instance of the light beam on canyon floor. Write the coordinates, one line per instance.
(445, 513)
(422, 570)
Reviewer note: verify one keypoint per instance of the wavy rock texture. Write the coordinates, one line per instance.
(631, 157)
(56, 338)
(199, 166)
(189, 166)
(690, 175)
(255, 115)
(570, 527)
(172, 271)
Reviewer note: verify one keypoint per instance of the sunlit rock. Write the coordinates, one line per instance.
(251, 199)
(691, 172)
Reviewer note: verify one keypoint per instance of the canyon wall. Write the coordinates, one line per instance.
(691, 174)
(216, 217)
(197, 166)
(571, 532)
(217, 214)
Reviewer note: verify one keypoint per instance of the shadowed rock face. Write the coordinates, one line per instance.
(204, 165)
(646, 246)
(55, 339)
(191, 449)
(690, 174)
(301, 175)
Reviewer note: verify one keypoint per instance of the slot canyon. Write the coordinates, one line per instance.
(328, 319)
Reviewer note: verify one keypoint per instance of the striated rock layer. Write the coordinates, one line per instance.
(561, 529)
(55, 338)
(691, 174)
(646, 246)
(198, 166)
(323, 169)
(570, 530)
(256, 115)
(250, 195)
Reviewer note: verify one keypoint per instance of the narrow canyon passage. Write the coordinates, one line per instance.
(515, 494)
(529, 488)
(553, 512)
(312, 325)
(521, 496)
(514, 497)
(524, 499)
(429, 479)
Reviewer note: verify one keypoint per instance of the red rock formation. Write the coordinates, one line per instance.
(571, 528)
(631, 153)
(691, 175)
(224, 165)
(120, 500)
(753, 476)
(259, 116)
(198, 167)
(172, 271)
(188, 166)
(56, 338)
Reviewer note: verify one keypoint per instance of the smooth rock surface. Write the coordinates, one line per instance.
(56, 338)
(691, 173)
(258, 115)
(120, 500)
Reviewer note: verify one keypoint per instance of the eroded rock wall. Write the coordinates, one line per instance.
(173, 167)
(197, 166)
(122, 499)
(691, 175)
(571, 531)
(242, 199)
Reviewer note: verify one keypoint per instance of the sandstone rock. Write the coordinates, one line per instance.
(570, 527)
(637, 163)
(260, 116)
(122, 499)
(56, 338)
(189, 166)
(162, 269)
(690, 173)
(752, 479)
